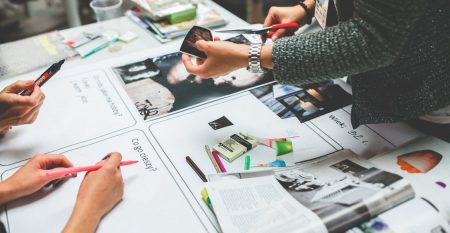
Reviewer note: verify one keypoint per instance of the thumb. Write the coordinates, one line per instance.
(18, 86)
(113, 161)
(202, 45)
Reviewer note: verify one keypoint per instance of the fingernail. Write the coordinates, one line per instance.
(107, 156)
(274, 38)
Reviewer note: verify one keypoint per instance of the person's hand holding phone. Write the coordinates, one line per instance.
(213, 57)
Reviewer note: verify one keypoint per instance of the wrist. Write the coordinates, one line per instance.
(242, 56)
(7, 192)
(307, 11)
(266, 56)
(82, 220)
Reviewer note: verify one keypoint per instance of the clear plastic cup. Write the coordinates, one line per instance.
(106, 9)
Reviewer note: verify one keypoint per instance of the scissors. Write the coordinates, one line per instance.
(269, 31)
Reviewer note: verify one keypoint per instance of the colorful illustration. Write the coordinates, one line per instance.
(419, 161)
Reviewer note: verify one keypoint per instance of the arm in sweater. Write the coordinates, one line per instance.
(372, 39)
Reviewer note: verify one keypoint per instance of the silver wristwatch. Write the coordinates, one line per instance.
(254, 59)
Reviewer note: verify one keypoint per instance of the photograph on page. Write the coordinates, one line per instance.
(344, 190)
(305, 102)
(161, 85)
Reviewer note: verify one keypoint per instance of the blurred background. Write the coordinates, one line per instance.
(25, 18)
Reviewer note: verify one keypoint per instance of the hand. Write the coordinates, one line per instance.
(278, 15)
(16, 109)
(32, 177)
(222, 57)
(99, 192)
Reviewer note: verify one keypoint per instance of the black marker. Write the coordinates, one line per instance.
(44, 77)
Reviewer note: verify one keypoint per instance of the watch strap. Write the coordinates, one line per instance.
(254, 58)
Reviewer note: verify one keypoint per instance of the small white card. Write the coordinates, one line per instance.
(321, 12)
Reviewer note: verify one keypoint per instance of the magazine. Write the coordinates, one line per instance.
(402, 191)
(341, 189)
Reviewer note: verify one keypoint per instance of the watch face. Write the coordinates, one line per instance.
(195, 34)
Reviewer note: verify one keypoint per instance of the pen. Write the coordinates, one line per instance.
(71, 170)
(44, 77)
(196, 169)
(247, 163)
(104, 45)
(211, 157)
(219, 162)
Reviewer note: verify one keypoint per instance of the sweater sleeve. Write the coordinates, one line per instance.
(372, 39)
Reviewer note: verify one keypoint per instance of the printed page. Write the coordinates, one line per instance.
(152, 202)
(341, 188)
(259, 205)
(425, 163)
(325, 107)
(187, 134)
(78, 107)
(415, 216)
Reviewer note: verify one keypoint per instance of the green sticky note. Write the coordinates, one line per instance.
(188, 14)
(283, 147)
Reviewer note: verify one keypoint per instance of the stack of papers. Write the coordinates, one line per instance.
(164, 31)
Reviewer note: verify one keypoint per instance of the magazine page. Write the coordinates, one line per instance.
(415, 216)
(259, 205)
(342, 189)
(425, 163)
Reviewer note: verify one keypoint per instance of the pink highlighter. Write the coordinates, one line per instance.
(72, 170)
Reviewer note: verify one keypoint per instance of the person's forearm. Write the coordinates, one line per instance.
(8, 192)
(82, 220)
(358, 45)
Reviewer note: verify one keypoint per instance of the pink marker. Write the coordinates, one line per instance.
(219, 162)
(72, 170)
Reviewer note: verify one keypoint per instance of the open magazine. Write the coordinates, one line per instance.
(338, 193)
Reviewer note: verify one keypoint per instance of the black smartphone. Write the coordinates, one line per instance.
(195, 34)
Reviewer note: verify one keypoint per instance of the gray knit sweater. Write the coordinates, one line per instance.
(396, 52)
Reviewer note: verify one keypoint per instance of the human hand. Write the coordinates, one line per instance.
(99, 192)
(279, 15)
(32, 177)
(16, 109)
(222, 58)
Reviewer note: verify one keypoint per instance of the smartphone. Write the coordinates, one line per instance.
(195, 34)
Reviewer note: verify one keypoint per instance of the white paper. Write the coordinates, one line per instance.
(77, 108)
(260, 205)
(152, 200)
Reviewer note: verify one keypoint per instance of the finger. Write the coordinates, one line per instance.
(18, 86)
(200, 61)
(190, 68)
(30, 117)
(113, 161)
(37, 94)
(278, 34)
(54, 161)
(59, 182)
(202, 46)
(216, 38)
(270, 17)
